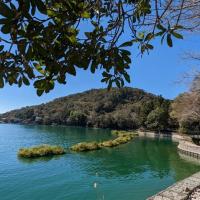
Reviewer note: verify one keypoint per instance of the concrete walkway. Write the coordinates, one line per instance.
(179, 190)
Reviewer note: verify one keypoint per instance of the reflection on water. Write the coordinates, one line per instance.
(132, 171)
(40, 159)
(189, 158)
(159, 157)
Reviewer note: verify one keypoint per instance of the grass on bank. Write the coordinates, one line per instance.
(122, 138)
(85, 146)
(40, 151)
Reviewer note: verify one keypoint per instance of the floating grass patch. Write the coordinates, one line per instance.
(109, 143)
(122, 133)
(40, 151)
(85, 146)
(90, 146)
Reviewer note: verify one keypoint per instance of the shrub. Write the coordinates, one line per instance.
(40, 151)
(85, 146)
(109, 143)
(123, 137)
(123, 133)
(190, 126)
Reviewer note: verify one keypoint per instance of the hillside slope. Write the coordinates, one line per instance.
(126, 108)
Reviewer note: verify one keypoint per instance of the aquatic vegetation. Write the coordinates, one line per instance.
(124, 133)
(123, 137)
(114, 132)
(109, 143)
(40, 151)
(85, 146)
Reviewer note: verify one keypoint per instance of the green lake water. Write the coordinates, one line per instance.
(131, 171)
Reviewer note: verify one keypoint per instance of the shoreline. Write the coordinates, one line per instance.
(180, 190)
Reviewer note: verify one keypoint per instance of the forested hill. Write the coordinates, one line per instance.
(126, 108)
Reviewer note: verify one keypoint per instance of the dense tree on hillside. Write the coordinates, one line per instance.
(156, 119)
(124, 108)
(186, 108)
(45, 40)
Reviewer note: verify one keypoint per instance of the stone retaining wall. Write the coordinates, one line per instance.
(190, 149)
(172, 135)
(180, 190)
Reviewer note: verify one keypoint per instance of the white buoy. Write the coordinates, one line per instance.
(95, 185)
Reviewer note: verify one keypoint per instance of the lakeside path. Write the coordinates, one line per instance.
(181, 190)
(189, 188)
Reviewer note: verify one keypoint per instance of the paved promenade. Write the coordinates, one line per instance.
(180, 190)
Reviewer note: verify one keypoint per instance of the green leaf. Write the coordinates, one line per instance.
(4, 21)
(126, 44)
(149, 36)
(125, 52)
(6, 28)
(51, 84)
(127, 77)
(5, 10)
(85, 14)
(22, 46)
(160, 27)
(118, 83)
(71, 70)
(162, 39)
(25, 81)
(105, 74)
(160, 33)
(20, 82)
(29, 53)
(29, 71)
(122, 83)
(149, 46)
(110, 84)
(33, 9)
(1, 82)
(40, 84)
(126, 58)
(88, 34)
(141, 35)
(1, 47)
(178, 27)
(39, 69)
(177, 35)
(104, 80)
(93, 66)
(40, 92)
(41, 6)
(169, 40)
(72, 39)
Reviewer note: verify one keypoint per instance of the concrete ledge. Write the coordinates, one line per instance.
(176, 137)
(189, 149)
(180, 190)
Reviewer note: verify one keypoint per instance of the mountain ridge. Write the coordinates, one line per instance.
(125, 108)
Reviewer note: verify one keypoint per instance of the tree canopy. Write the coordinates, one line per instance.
(186, 108)
(124, 108)
(45, 40)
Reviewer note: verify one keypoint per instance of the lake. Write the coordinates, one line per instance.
(132, 171)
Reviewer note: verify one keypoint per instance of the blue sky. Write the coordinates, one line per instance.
(155, 73)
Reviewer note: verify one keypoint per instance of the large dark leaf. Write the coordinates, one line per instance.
(41, 6)
(6, 28)
(5, 10)
(169, 40)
